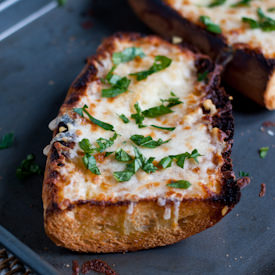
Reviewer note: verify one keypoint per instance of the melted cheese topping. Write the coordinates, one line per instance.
(230, 21)
(192, 132)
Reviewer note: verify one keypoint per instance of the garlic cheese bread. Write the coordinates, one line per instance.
(246, 29)
(140, 155)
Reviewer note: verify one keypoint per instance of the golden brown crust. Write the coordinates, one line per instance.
(249, 71)
(105, 226)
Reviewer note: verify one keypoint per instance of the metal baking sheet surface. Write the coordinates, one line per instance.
(37, 65)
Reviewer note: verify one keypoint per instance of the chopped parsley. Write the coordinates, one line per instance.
(6, 141)
(123, 156)
(264, 22)
(138, 117)
(172, 101)
(157, 111)
(202, 76)
(243, 174)
(271, 9)
(210, 26)
(118, 84)
(241, 3)
(180, 159)
(28, 168)
(164, 128)
(147, 142)
(90, 163)
(216, 3)
(61, 2)
(99, 123)
(131, 168)
(182, 184)
(263, 152)
(124, 118)
(161, 62)
(127, 55)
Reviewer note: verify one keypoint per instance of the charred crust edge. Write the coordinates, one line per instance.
(223, 120)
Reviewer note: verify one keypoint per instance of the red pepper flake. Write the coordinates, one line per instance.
(263, 190)
(75, 268)
(97, 266)
(268, 124)
(87, 25)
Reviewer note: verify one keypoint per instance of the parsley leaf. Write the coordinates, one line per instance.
(180, 159)
(147, 142)
(182, 184)
(166, 162)
(61, 2)
(124, 118)
(263, 152)
(202, 76)
(99, 123)
(127, 55)
(241, 3)
(157, 111)
(172, 101)
(86, 146)
(138, 117)
(243, 174)
(123, 156)
(210, 26)
(271, 9)
(164, 128)
(28, 168)
(265, 23)
(216, 3)
(118, 84)
(90, 163)
(6, 141)
(161, 62)
(134, 166)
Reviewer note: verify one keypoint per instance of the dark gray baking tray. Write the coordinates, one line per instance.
(37, 65)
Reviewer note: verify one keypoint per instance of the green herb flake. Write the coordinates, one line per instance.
(124, 118)
(148, 166)
(172, 101)
(138, 117)
(271, 9)
(99, 123)
(202, 76)
(166, 162)
(86, 146)
(160, 63)
(210, 26)
(147, 142)
(164, 128)
(28, 168)
(243, 174)
(265, 23)
(157, 111)
(182, 184)
(242, 3)
(127, 55)
(216, 3)
(6, 141)
(90, 163)
(263, 152)
(61, 2)
(123, 156)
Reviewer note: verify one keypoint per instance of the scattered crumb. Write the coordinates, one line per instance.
(262, 129)
(229, 266)
(236, 259)
(268, 124)
(263, 190)
(227, 255)
(271, 133)
(230, 97)
(237, 214)
(176, 40)
(87, 25)
(241, 257)
(243, 182)
(97, 266)
(67, 265)
(75, 268)
(51, 82)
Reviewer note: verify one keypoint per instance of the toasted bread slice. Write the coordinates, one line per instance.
(151, 202)
(252, 68)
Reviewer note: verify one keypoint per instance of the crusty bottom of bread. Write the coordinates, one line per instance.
(101, 229)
